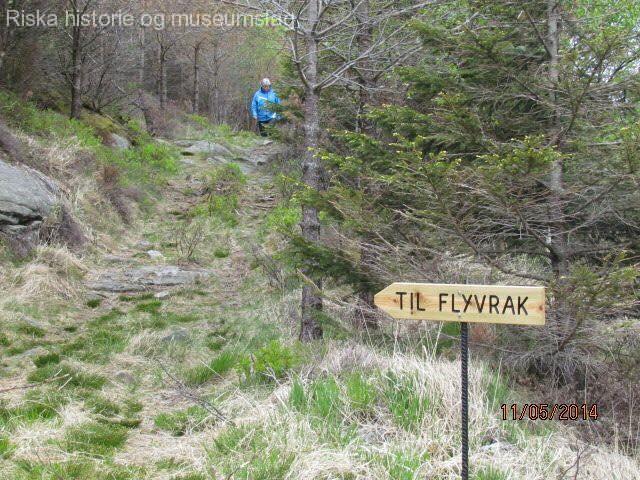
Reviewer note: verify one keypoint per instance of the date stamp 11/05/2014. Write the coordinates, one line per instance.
(545, 411)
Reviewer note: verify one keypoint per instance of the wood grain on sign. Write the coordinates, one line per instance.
(464, 303)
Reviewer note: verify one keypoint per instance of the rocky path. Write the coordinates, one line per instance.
(141, 265)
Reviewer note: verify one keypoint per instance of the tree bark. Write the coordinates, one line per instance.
(162, 87)
(196, 79)
(558, 240)
(312, 176)
(368, 320)
(76, 72)
(143, 58)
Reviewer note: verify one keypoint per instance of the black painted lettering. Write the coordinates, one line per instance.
(411, 301)
(509, 304)
(467, 302)
(453, 304)
(441, 300)
(418, 303)
(401, 294)
(480, 306)
(493, 303)
(521, 305)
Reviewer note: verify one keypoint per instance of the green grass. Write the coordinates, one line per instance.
(402, 465)
(147, 163)
(498, 391)
(136, 298)
(94, 438)
(68, 376)
(178, 423)
(76, 469)
(221, 252)
(45, 123)
(362, 394)
(102, 406)
(152, 307)
(225, 184)
(6, 448)
(97, 345)
(51, 358)
(107, 318)
(489, 473)
(30, 330)
(246, 453)
(324, 402)
(406, 402)
(216, 368)
(37, 405)
(94, 303)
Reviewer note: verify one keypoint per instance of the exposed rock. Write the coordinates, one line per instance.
(144, 245)
(27, 197)
(245, 167)
(177, 335)
(118, 141)
(155, 254)
(145, 278)
(33, 323)
(33, 352)
(204, 147)
(161, 295)
(28, 201)
(258, 156)
(124, 377)
(116, 259)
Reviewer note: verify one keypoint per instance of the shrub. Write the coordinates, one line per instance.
(271, 362)
(224, 184)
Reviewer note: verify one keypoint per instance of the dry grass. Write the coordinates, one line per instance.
(53, 273)
(525, 456)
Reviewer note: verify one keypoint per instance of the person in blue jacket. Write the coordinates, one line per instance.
(260, 106)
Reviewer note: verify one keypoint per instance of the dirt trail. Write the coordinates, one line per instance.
(141, 265)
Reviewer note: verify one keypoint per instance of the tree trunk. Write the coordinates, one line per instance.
(367, 318)
(163, 79)
(558, 240)
(196, 79)
(143, 58)
(312, 176)
(76, 73)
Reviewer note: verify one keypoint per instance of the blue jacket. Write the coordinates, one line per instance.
(259, 105)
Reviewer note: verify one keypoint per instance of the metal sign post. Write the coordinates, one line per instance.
(464, 303)
(464, 417)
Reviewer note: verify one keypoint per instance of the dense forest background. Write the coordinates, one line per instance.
(464, 141)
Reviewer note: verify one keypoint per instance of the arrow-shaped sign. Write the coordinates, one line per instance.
(464, 303)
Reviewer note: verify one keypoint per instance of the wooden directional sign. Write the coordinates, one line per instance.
(464, 303)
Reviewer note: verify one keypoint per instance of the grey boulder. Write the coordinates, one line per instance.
(27, 198)
(118, 141)
(145, 278)
(204, 147)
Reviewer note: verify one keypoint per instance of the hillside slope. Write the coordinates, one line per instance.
(165, 350)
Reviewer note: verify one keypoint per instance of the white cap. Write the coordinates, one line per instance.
(265, 81)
